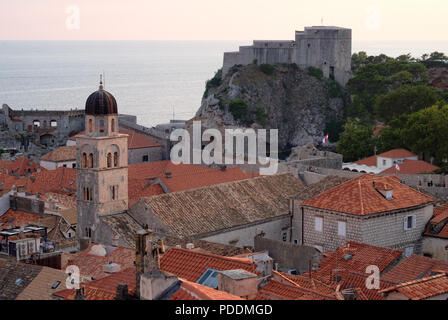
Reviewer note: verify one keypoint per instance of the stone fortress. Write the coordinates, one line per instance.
(324, 47)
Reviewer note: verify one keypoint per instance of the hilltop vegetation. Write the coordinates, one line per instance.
(397, 94)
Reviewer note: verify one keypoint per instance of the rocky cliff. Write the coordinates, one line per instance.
(297, 102)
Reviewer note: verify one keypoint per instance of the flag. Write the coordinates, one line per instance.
(397, 167)
(325, 139)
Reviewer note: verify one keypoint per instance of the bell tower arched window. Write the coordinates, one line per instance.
(112, 125)
(115, 159)
(84, 160)
(90, 125)
(109, 160)
(101, 125)
(90, 160)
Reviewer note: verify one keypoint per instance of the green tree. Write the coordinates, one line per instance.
(425, 132)
(356, 141)
(238, 108)
(407, 99)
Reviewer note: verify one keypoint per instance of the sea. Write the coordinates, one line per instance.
(155, 80)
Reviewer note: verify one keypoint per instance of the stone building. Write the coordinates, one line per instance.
(49, 127)
(435, 240)
(380, 211)
(102, 164)
(324, 47)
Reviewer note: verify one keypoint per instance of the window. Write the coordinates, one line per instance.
(109, 160)
(84, 160)
(115, 159)
(31, 247)
(384, 162)
(296, 241)
(73, 165)
(90, 125)
(22, 248)
(409, 251)
(318, 224)
(101, 125)
(284, 236)
(112, 125)
(114, 192)
(145, 158)
(64, 165)
(410, 222)
(53, 123)
(90, 160)
(342, 228)
(87, 194)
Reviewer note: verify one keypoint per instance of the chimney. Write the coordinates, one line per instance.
(122, 292)
(189, 246)
(238, 282)
(84, 243)
(151, 281)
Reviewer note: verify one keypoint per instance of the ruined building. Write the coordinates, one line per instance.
(324, 47)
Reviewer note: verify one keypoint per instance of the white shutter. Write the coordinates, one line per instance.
(318, 224)
(405, 223)
(414, 222)
(341, 228)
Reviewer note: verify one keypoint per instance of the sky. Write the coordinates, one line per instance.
(371, 20)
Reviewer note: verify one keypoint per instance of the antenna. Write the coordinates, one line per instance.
(104, 76)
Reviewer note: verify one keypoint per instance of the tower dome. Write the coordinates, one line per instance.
(101, 102)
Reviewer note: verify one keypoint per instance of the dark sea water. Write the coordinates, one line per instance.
(150, 79)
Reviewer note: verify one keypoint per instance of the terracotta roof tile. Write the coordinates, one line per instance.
(194, 291)
(422, 288)
(276, 290)
(91, 265)
(359, 196)
(190, 265)
(63, 153)
(40, 287)
(135, 140)
(370, 161)
(412, 167)
(224, 205)
(13, 218)
(397, 153)
(413, 268)
(22, 167)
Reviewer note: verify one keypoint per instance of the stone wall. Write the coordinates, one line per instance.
(289, 255)
(326, 48)
(436, 247)
(384, 230)
(136, 155)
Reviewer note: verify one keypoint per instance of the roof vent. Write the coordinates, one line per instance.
(348, 257)
(168, 175)
(111, 268)
(189, 246)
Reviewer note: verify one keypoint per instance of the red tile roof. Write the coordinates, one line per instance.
(397, 153)
(62, 180)
(105, 288)
(423, 288)
(413, 268)
(21, 167)
(63, 153)
(370, 161)
(135, 140)
(91, 265)
(438, 226)
(276, 290)
(190, 265)
(412, 167)
(194, 291)
(13, 218)
(358, 196)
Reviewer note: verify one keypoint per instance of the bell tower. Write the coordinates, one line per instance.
(101, 164)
